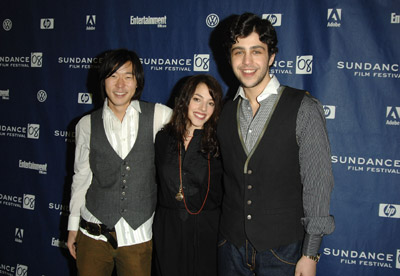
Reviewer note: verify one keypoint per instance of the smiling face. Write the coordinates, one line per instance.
(120, 88)
(200, 108)
(251, 62)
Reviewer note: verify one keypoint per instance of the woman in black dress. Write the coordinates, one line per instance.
(189, 174)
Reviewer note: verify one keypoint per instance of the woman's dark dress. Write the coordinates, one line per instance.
(186, 244)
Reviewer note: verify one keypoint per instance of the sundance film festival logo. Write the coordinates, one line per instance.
(34, 60)
(21, 270)
(85, 98)
(19, 235)
(274, 18)
(330, 111)
(393, 115)
(69, 136)
(389, 210)
(334, 17)
(212, 20)
(367, 164)
(398, 259)
(47, 23)
(27, 201)
(5, 94)
(90, 22)
(304, 64)
(199, 63)
(7, 24)
(32, 131)
(366, 69)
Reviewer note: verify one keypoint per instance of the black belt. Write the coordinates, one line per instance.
(96, 229)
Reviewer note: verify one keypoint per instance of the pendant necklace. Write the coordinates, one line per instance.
(180, 195)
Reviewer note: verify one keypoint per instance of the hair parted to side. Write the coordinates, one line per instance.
(245, 24)
(179, 119)
(113, 60)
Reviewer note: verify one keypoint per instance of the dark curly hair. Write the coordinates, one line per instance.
(245, 24)
(180, 119)
(113, 60)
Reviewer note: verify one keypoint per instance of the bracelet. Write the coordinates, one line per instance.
(314, 258)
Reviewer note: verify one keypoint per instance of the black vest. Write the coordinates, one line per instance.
(122, 187)
(263, 191)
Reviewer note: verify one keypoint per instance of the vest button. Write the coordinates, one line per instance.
(123, 193)
(128, 168)
(124, 181)
(123, 210)
(249, 172)
(249, 187)
(248, 217)
(249, 202)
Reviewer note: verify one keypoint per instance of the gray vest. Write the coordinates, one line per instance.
(122, 187)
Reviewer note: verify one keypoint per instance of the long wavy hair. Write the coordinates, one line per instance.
(179, 119)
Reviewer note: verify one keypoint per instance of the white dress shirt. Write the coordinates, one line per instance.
(122, 137)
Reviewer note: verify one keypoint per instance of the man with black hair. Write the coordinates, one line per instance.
(277, 169)
(113, 194)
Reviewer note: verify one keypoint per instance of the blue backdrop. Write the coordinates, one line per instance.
(345, 52)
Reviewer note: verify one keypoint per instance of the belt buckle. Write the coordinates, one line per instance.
(93, 230)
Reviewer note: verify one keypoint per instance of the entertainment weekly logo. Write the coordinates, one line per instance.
(362, 164)
(18, 270)
(27, 201)
(31, 131)
(41, 168)
(34, 60)
(303, 65)
(5, 94)
(384, 260)
(160, 22)
(199, 63)
(368, 69)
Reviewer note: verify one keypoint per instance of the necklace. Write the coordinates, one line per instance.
(180, 195)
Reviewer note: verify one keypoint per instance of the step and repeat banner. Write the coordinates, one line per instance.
(346, 53)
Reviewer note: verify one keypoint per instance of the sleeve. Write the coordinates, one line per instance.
(316, 173)
(162, 115)
(82, 173)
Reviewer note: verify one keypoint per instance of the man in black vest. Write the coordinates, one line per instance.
(113, 193)
(277, 169)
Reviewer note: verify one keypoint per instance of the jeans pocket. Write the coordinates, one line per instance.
(221, 242)
(288, 254)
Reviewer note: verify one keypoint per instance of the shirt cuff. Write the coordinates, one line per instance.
(311, 244)
(73, 223)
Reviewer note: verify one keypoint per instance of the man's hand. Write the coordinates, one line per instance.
(71, 242)
(306, 267)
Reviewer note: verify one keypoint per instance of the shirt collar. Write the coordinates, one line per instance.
(271, 88)
(134, 105)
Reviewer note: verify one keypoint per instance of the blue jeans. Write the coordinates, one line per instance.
(246, 261)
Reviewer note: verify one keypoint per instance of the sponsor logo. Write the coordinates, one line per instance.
(212, 20)
(19, 235)
(80, 62)
(199, 63)
(47, 23)
(27, 201)
(41, 96)
(21, 270)
(90, 22)
(42, 168)
(34, 60)
(330, 111)
(398, 259)
(334, 17)
(85, 98)
(362, 258)
(7, 24)
(69, 136)
(5, 94)
(302, 65)
(32, 131)
(367, 164)
(389, 210)
(160, 22)
(274, 18)
(58, 243)
(394, 18)
(63, 209)
(369, 69)
(393, 115)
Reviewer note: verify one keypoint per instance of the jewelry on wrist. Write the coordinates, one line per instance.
(314, 258)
